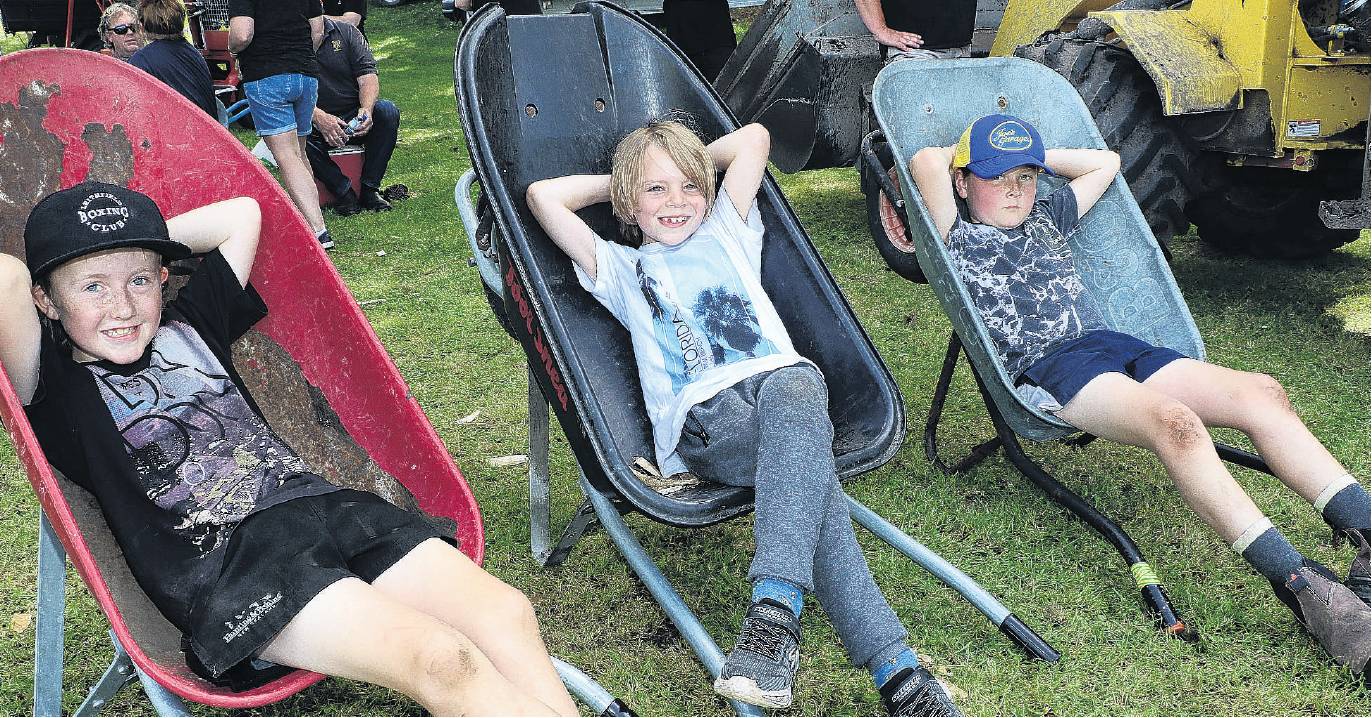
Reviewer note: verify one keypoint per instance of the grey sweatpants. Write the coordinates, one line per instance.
(771, 431)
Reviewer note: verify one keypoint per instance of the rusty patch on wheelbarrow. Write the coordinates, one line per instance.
(30, 161)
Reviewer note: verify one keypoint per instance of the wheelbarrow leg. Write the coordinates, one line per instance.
(1154, 598)
(49, 631)
(119, 673)
(588, 691)
(661, 589)
(540, 517)
(1009, 624)
(980, 452)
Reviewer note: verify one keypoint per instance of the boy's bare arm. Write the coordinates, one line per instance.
(554, 203)
(1090, 173)
(231, 226)
(19, 327)
(742, 155)
(930, 168)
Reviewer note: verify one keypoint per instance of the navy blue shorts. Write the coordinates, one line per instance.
(1055, 379)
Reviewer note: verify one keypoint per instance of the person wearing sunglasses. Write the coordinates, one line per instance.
(120, 32)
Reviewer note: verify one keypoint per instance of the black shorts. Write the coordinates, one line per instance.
(281, 558)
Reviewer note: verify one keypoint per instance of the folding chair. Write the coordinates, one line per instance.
(526, 119)
(314, 364)
(919, 104)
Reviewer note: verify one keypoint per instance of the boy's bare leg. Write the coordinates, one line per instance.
(441, 581)
(288, 149)
(1113, 406)
(352, 630)
(1256, 405)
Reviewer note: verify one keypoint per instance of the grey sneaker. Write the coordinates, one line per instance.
(915, 692)
(1338, 620)
(762, 667)
(1359, 581)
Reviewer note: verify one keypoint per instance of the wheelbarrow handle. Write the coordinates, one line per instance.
(878, 172)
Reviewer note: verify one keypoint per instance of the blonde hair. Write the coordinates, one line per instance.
(162, 19)
(626, 168)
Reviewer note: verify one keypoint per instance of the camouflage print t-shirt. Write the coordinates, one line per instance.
(1023, 281)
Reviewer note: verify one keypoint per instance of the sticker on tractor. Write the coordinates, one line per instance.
(1302, 128)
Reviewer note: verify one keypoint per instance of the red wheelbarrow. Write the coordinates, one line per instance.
(315, 356)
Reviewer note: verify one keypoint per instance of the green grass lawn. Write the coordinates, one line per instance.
(1305, 324)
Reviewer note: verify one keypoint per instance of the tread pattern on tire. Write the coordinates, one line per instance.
(1157, 161)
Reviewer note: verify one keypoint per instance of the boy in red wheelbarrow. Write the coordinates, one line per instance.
(259, 561)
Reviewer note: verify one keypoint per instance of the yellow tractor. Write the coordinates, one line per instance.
(1247, 118)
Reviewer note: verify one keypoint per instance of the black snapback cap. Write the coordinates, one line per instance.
(92, 217)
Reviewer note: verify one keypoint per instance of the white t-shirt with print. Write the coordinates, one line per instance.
(697, 315)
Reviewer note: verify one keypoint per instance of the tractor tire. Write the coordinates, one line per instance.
(1155, 157)
(888, 232)
(1273, 213)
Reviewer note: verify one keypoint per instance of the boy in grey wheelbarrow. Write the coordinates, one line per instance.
(1012, 255)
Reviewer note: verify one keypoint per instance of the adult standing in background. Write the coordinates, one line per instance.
(353, 12)
(920, 29)
(169, 57)
(274, 41)
(349, 89)
(119, 31)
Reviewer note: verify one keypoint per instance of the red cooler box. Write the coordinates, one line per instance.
(349, 159)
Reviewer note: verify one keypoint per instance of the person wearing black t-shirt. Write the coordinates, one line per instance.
(703, 30)
(274, 41)
(171, 59)
(921, 29)
(349, 90)
(353, 12)
(259, 561)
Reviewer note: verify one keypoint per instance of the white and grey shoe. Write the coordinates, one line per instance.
(762, 667)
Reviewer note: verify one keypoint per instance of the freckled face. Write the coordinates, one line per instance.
(109, 303)
(1003, 202)
(669, 206)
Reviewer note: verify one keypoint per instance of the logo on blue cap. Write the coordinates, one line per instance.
(1010, 136)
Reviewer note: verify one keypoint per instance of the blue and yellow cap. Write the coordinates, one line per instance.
(996, 143)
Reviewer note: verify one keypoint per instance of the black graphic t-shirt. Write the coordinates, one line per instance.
(172, 446)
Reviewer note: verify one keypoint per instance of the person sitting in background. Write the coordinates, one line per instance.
(348, 98)
(119, 31)
(170, 58)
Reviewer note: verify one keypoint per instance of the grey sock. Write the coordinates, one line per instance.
(1349, 508)
(1269, 552)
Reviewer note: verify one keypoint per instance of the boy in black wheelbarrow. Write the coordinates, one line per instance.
(1013, 258)
(257, 560)
(729, 397)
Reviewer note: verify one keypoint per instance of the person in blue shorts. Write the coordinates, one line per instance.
(1013, 257)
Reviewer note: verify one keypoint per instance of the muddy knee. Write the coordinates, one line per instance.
(1264, 392)
(1177, 429)
(444, 663)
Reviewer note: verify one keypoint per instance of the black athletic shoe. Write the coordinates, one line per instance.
(325, 240)
(346, 205)
(915, 692)
(372, 201)
(762, 667)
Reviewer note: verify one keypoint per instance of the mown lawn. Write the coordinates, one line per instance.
(1304, 323)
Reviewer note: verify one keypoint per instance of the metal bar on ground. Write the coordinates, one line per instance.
(1023, 636)
(661, 589)
(49, 636)
(588, 690)
(1246, 459)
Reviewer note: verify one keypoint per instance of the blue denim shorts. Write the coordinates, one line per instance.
(282, 103)
(1055, 379)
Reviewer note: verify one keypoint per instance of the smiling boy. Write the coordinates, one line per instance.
(1014, 260)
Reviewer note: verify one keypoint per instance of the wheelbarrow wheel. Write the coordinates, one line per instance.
(883, 219)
